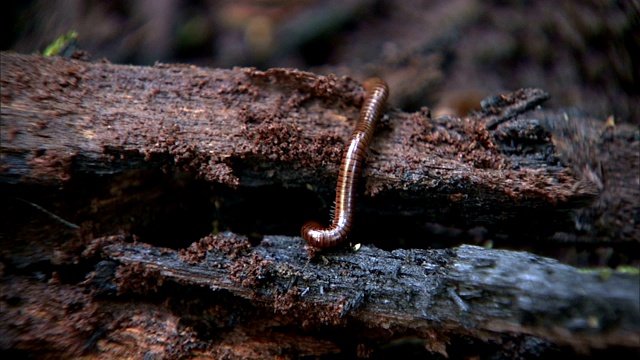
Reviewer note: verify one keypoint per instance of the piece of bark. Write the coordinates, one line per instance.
(432, 294)
(51, 320)
(499, 109)
(62, 118)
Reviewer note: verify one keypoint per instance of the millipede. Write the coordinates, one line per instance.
(352, 160)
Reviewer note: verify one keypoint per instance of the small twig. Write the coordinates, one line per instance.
(56, 217)
(502, 108)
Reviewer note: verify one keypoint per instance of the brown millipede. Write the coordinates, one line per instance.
(354, 155)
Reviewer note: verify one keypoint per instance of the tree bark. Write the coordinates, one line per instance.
(62, 118)
(466, 290)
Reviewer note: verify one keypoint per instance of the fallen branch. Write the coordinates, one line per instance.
(468, 290)
(62, 118)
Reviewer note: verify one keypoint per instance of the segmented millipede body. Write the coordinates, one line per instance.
(354, 155)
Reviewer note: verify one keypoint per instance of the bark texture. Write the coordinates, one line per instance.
(141, 161)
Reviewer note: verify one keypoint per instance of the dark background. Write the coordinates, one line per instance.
(442, 54)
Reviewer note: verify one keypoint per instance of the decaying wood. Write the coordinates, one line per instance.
(434, 293)
(222, 297)
(504, 167)
(242, 127)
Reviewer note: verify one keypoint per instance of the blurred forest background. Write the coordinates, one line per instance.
(447, 55)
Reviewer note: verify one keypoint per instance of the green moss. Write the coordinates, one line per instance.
(59, 44)
(605, 272)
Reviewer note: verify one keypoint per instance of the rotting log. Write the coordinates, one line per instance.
(243, 127)
(432, 294)
(61, 119)
(272, 300)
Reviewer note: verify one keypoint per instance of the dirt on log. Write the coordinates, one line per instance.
(243, 127)
(112, 178)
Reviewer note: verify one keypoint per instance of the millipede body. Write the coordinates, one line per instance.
(352, 160)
